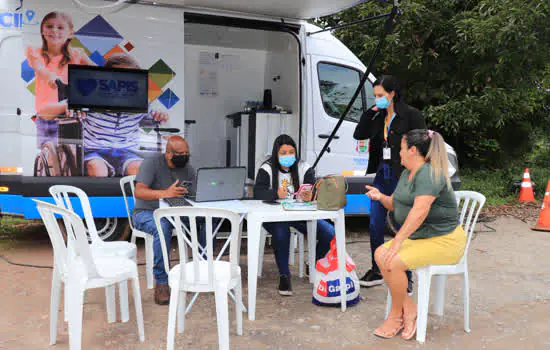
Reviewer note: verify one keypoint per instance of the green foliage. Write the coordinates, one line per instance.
(479, 69)
(496, 184)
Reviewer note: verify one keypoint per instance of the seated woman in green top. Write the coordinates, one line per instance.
(424, 209)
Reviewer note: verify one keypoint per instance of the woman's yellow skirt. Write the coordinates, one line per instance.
(440, 250)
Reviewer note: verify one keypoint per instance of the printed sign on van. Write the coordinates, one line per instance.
(18, 19)
(106, 144)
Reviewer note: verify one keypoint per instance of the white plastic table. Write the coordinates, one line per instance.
(257, 213)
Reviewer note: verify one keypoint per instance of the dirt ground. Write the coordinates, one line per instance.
(510, 304)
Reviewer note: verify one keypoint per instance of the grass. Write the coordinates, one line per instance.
(14, 229)
(496, 184)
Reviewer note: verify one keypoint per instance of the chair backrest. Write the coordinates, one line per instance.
(469, 206)
(125, 182)
(76, 235)
(62, 193)
(173, 215)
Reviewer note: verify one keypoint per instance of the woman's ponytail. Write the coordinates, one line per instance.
(437, 156)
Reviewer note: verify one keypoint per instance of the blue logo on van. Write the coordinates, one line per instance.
(108, 88)
(18, 19)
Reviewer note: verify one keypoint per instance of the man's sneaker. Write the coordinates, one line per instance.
(410, 287)
(285, 288)
(371, 279)
(162, 294)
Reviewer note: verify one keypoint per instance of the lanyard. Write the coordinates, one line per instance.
(387, 127)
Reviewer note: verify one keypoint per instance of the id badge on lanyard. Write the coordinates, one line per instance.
(386, 153)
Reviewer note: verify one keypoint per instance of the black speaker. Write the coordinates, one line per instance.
(268, 102)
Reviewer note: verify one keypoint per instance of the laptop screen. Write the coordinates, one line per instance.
(218, 184)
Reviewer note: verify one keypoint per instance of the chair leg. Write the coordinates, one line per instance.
(466, 292)
(181, 311)
(110, 303)
(123, 301)
(66, 302)
(222, 315)
(172, 313)
(261, 255)
(76, 303)
(311, 242)
(439, 294)
(424, 282)
(139, 310)
(149, 262)
(292, 248)
(239, 307)
(133, 238)
(240, 240)
(54, 305)
(388, 304)
(300, 255)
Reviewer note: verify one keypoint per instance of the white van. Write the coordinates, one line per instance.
(212, 65)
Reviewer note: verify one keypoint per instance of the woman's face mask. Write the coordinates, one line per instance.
(287, 156)
(287, 161)
(383, 99)
(382, 102)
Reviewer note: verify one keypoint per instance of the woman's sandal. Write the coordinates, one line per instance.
(377, 332)
(409, 320)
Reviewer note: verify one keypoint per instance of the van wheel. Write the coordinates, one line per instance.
(112, 229)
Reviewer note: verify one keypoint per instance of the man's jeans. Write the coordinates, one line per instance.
(145, 221)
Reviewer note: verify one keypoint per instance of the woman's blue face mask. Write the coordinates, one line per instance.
(287, 161)
(382, 102)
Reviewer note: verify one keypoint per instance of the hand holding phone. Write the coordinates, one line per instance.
(304, 192)
(304, 187)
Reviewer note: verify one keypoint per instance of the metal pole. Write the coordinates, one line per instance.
(350, 24)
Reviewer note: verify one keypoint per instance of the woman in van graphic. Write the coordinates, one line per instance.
(50, 63)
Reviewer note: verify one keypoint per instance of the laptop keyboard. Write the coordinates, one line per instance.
(177, 202)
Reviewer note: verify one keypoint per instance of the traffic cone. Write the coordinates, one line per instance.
(544, 218)
(526, 193)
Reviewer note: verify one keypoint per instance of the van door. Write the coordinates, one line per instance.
(11, 91)
(333, 83)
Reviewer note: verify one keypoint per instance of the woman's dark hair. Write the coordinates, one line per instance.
(390, 84)
(276, 166)
(431, 146)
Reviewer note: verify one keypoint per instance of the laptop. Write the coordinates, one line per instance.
(220, 184)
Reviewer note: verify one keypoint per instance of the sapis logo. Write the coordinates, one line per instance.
(18, 19)
(86, 86)
(108, 88)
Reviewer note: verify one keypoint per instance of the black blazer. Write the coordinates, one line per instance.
(371, 126)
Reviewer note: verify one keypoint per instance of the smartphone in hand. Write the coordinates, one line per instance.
(303, 187)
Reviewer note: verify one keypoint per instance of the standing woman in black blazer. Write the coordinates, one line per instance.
(384, 124)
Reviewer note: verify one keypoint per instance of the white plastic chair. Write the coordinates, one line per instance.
(62, 194)
(149, 253)
(470, 204)
(295, 236)
(82, 270)
(199, 275)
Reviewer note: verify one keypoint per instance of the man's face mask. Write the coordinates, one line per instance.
(180, 160)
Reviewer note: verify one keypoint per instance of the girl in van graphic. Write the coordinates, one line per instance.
(50, 63)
